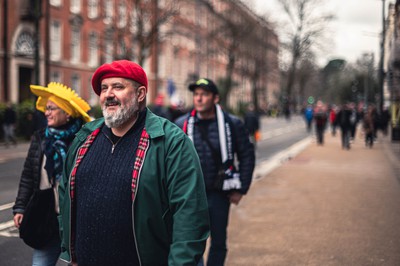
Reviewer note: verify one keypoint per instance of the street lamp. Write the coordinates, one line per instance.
(381, 61)
(37, 16)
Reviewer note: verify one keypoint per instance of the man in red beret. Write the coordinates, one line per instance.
(132, 191)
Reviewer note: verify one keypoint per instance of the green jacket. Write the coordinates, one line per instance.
(170, 212)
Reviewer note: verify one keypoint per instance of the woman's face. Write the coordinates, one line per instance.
(56, 117)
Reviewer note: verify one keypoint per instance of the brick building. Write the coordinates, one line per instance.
(76, 36)
(392, 67)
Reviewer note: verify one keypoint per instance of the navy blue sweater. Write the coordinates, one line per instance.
(104, 228)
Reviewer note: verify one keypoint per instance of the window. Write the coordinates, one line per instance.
(55, 76)
(108, 11)
(121, 49)
(161, 61)
(93, 98)
(76, 83)
(93, 10)
(75, 6)
(55, 2)
(133, 21)
(25, 44)
(93, 50)
(55, 41)
(75, 46)
(122, 15)
(108, 57)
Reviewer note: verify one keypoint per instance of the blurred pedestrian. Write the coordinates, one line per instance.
(286, 110)
(65, 113)
(385, 119)
(219, 138)
(354, 119)
(308, 116)
(159, 107)
(176, 108)
(369, 126)
(320, 118)
(9, 125)
(132, 191)
(252, 123)
(332, 119)
(343, 120)
(27, 126)
(39, 120)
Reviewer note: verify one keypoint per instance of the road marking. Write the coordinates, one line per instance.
(8, 229)
(6, 225)
(269, 133)
(267, 166)
(9, 234)
(6, 206)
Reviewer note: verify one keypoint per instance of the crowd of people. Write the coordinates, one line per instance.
(132, 187)
(141, 185)
(348, 118)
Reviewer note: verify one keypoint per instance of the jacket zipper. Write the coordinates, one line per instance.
(113, 144)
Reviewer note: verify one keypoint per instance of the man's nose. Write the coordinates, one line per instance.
(109, 92)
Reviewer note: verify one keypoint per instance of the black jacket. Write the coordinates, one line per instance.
(343, 119)
(30, 177)
(242, 147)
(252, 122)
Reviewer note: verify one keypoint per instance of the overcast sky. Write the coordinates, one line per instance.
(355, 31)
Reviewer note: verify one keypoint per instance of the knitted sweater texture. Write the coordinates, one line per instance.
(104, 225)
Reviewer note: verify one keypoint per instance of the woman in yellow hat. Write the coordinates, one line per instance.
(36, 206)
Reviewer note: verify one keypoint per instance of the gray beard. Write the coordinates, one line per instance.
(121, 116)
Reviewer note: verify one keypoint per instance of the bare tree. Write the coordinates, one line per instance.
(255, 48)
(138, 37)
(307, 80)
(229, 34)
(146, 19)
(305, 33)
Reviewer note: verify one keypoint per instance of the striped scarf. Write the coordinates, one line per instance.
(225, 125)
(224, 133)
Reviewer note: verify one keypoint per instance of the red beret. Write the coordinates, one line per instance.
(118, 69)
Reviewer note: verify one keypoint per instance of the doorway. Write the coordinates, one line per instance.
(25, 79)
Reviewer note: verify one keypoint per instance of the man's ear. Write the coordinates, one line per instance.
(141, 93)
(216, 98)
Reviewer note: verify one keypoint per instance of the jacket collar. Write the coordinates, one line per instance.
(153, 125)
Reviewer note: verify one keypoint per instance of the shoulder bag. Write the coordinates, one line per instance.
(39, 224)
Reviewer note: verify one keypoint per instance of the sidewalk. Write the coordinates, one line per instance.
(326, 206)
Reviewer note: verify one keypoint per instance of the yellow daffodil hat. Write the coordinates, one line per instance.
(64, 97)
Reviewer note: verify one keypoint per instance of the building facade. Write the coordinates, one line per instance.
(175, 41)
(392, 66)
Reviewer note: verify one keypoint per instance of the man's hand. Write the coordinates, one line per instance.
(235, 197)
